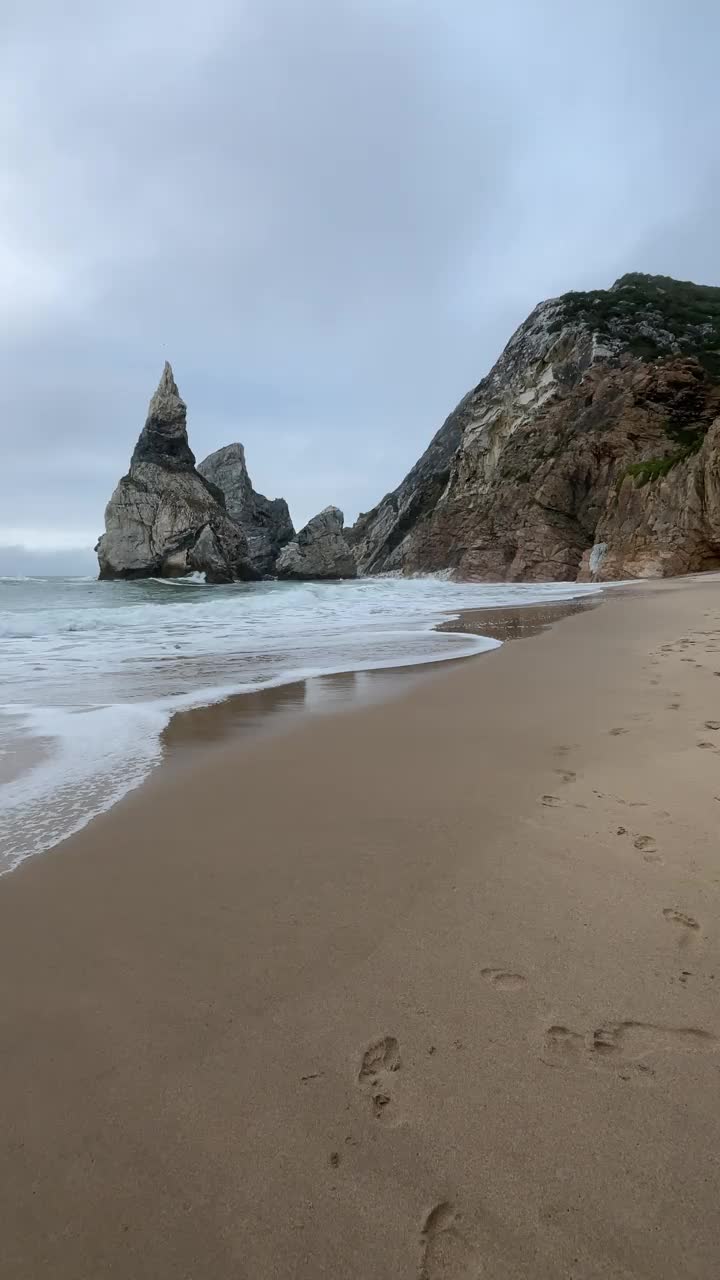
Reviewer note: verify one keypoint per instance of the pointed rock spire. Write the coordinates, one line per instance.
(167, 386)
(164, 437)
(165, 519)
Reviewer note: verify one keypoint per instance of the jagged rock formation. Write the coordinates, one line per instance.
(320, 550)
(591, 450)
(377, 538)
(165, 519)
(265, 521)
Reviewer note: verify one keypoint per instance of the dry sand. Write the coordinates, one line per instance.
(426, 989)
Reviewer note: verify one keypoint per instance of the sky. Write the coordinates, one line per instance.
(329, 216)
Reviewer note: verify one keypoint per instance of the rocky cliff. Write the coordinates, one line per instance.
(164, 518)
(591, 450)
(265, 521)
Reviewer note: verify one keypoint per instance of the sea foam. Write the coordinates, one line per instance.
(93, 672)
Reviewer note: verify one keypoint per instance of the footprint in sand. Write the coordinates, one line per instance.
(631, 1041)
(687, 924)
(615, 733)
(503, 979)
(712, 724)
(621, 1043)
(445, 1253)
(648, 848)
(380, 1060)
(551, 802)
(646, 844)
(566, 775)
(706, 746)
(561, 1046)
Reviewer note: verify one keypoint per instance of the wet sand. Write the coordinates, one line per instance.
(513, 623)
(423, 988)
(273, 710)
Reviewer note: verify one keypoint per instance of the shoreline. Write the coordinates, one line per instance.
(427, 987)
(276, 707)
(45, 769)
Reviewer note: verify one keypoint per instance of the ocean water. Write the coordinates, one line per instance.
(92, 672)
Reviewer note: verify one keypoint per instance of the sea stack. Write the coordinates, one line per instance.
(265, 521)
(320, 550)
(165, 519)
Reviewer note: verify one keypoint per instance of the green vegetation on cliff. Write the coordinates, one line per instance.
(688, 438)
(652, 468)
(653, 316)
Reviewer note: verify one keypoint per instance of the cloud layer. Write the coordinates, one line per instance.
(329, 216)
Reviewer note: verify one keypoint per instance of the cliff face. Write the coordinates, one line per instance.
(265, 521)
(591, 450)
(165, 519)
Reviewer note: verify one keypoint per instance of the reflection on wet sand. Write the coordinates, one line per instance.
(273, 709)
(517, 624)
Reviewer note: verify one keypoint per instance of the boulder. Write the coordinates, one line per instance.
(265, 521)
(164, 518)
(320, 550)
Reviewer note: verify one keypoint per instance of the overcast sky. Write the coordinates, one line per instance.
(328, 214)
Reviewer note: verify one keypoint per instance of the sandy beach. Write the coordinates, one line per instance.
(424, 988)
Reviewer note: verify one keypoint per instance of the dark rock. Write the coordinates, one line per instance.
(163, 439)
(265, 521)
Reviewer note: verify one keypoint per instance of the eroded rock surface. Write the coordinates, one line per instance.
(265, 521)
(591, 450)
(321, 550)
(164, 518)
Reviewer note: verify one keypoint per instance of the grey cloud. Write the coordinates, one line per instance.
(329, 216)
(18, 562)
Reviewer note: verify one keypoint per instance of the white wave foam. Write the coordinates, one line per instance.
(96, 757)
(187, 580)
(99, 671)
